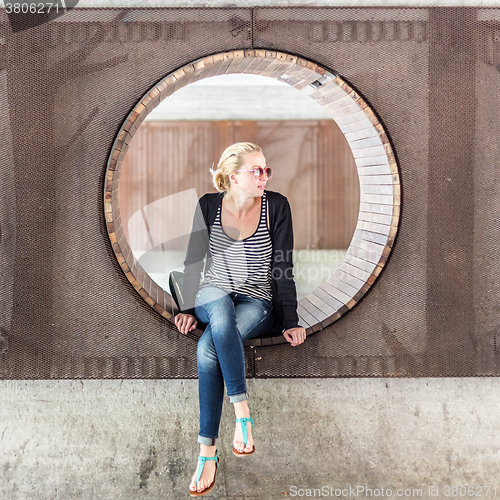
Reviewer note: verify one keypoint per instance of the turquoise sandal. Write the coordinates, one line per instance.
(201, 464)
(243, 421)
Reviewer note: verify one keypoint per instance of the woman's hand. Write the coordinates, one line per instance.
(185, 323)
(295, 335)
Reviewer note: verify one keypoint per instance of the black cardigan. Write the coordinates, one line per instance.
(281, 229)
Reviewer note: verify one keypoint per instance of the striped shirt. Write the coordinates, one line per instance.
(242, 266)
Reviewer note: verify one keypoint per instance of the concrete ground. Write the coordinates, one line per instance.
(337, 438)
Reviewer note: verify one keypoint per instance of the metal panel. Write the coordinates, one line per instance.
(68, 310)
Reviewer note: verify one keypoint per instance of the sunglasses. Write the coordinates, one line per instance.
(258, 172)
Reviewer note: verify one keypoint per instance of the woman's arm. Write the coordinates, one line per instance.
(193, 267)
(197, 250)
(283, 263)
(285, 290)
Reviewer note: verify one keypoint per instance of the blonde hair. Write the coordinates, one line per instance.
(231, 160)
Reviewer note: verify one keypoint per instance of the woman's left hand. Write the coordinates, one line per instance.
(295, 335)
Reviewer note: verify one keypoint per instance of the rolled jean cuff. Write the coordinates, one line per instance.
(206, 440)
(238, 397)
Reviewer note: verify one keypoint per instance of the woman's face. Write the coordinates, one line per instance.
(246, 181)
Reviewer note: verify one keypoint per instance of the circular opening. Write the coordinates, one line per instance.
(165, 171)
(379, 197)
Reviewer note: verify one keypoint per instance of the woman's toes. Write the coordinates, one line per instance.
(203, 485)
(239, 443)
(192, 486)
(240, 446)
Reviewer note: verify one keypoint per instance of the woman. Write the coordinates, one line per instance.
(245, 233)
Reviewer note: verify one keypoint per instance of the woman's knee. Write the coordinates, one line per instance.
(222, 310)
(206, 354)
(222, 320)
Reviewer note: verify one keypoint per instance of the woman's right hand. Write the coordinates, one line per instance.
(185, 323)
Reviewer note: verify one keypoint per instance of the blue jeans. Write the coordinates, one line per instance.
(230, 319)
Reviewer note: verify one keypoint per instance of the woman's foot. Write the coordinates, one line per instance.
(208, 473)
(242, 411)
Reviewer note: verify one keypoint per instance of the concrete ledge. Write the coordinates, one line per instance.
(136, 439)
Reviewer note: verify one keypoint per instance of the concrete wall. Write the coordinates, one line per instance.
(136, 439)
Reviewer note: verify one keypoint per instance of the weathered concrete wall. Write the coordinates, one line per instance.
(136, 439)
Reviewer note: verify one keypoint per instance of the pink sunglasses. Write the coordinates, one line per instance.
(258, 172)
